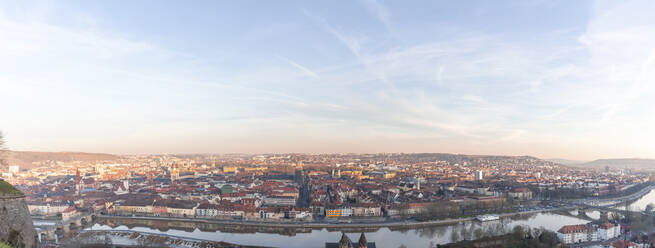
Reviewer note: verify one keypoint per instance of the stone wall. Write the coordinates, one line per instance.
(15, 221)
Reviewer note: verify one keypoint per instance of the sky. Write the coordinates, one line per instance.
(552, 79)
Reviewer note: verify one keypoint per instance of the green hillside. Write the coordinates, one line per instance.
(7, 189)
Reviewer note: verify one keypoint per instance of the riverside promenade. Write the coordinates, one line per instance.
(379, 224)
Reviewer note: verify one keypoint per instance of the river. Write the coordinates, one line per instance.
(641, 203)
(383, 237)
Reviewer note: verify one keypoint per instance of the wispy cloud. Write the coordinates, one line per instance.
(446, 81)
(381, 13)
(352, 43)
(300, 67)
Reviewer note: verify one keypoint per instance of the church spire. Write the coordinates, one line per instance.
(78, 186)
(345, 241)
(362, 241)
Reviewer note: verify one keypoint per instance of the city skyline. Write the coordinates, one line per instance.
(567, 80)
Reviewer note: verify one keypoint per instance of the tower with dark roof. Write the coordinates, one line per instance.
(345, 241)
(298, 175)
(78, 179)
(362, 241)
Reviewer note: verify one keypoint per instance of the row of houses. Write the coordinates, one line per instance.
(190, 209)
(240, 210)
(47, 209)
(360, 210)
(588, 232)
(520, 193)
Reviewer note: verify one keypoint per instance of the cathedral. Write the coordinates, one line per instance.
(345, 242)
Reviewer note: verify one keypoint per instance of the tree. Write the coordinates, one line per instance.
(3, 151)
(403, 210)
(463, 233)
(454, 237)
(549, 238)
(518, 232)
(650, 207)
(14, 239)
(478, 233)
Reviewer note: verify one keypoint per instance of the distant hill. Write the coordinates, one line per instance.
(565, 161)
(623, 163)
(25, 159)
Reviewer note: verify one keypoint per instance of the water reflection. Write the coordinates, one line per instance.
(306, 237)
(641, 203)
(594, 214)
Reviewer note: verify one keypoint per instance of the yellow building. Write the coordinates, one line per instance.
(289, 194)
(125, 209)
(333, 212)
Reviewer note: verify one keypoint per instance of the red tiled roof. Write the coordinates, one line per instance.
(623, 244)
(606, 225)
(576, 228)
(70, 209)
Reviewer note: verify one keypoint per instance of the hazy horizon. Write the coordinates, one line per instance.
(335, 153)
(565, 79)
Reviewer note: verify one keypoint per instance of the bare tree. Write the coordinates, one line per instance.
(3, 151)
(454, 237)
(650, 207)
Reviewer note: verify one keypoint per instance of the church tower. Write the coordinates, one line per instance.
(298, 175)
(345, 241)
(362, 241)
(78, 179)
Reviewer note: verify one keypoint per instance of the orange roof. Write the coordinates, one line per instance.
(623, 244)
(576, 228)
(70, 209)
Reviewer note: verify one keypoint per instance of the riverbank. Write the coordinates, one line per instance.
(127, 238)
(377, 224)
(390, 234)
(370, 225)
(408, 224)
(182, 227)
(617, 200)
(393, 237)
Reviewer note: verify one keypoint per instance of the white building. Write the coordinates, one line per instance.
(577, 233)
(14, 169)
(346, 211)
(479, 175)
(123, 188)
(46, 209)
(69, 213)
(279, 201)
(303, 214)
(608, 231)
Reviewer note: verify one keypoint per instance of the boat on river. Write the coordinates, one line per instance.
(487, 217)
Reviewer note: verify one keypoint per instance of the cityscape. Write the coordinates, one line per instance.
(327, 124)
(86, 199)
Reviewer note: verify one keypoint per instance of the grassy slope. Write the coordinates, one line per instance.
(7, 189)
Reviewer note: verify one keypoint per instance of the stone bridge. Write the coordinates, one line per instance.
(52, 232)
(609, 205)
(616, 210)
